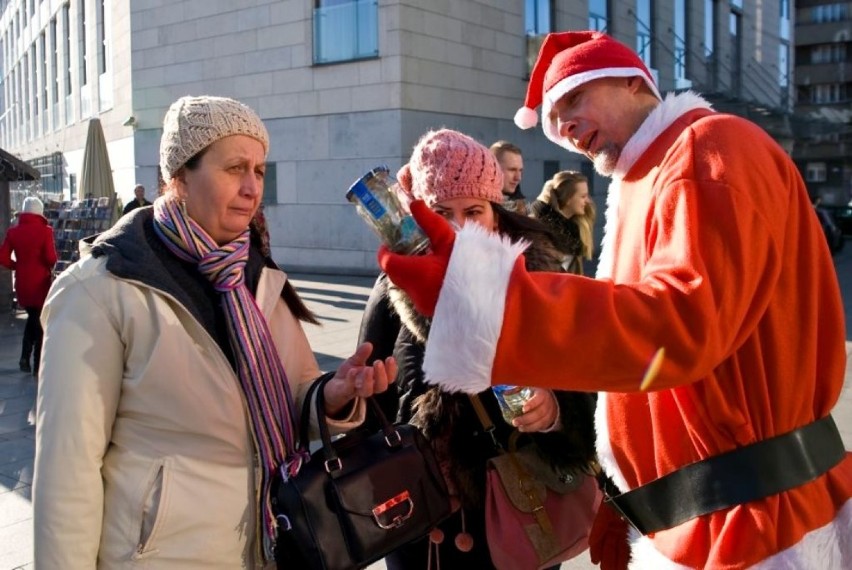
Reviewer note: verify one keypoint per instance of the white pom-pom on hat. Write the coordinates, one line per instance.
(526, 118)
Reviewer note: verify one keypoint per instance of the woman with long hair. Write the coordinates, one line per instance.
(461, 180)
(565, 207)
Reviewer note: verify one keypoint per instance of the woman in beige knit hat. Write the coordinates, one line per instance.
(175, 363)
(461, 179)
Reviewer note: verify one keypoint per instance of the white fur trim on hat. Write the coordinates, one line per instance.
(469, 314)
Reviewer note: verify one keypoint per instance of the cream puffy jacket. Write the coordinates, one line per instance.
(144, 454)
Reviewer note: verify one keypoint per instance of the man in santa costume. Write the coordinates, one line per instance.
(714, 329)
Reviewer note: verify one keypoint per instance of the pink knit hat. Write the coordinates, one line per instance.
(448, 164)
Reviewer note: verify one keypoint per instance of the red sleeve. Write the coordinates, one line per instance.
(707, 274)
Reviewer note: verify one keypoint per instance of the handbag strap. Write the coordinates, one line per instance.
(305, 416)
(332, 460)
(525, 479)
(485, 420)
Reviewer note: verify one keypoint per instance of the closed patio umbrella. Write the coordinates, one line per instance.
(96, 174)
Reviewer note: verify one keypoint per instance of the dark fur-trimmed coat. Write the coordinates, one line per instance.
(448, 419)
(565, 231)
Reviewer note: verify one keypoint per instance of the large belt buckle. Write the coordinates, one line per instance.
(610, 494)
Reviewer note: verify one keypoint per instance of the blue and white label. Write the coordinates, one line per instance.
(368, 200)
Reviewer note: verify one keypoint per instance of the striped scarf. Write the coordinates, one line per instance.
(261, 374)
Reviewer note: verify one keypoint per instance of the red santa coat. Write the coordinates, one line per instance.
(35, 255)
(712, 250)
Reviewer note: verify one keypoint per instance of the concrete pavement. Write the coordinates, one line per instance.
(338, 302)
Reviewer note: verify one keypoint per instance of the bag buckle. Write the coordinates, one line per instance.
(333, 465)
(393, 439)
(399, 519)
(284, 523)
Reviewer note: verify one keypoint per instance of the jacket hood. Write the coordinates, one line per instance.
(134, 252)
(132, 249)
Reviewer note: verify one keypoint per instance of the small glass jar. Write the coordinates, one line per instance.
(511, 400)
(377, 203)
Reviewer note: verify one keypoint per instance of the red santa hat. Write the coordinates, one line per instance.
(567, 60)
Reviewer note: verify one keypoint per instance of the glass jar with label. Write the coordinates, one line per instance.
(377, 203)
(512, 400)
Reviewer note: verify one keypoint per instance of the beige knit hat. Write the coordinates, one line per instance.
(448, 164)
(193, 123)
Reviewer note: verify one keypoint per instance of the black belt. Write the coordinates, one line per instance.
(746, 474)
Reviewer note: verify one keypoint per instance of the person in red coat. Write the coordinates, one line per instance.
(35, 255)
(713, 330)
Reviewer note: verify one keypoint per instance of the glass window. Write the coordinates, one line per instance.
(598, 15)
(784, 20)
(829, 13)
(537, 14)
(270, 183)
(828, 93)
(103, 36)
(537, 17)
(783, 65)
(81, 29)
(66, 55)
(44, 81)
(25, 81)
(644, 31)
(54, 58)
(680, 41)
(34, 91)
(709, 28)
(815, 172)
(20, 109)
(549, 168)
(105, 94)
(345, 31)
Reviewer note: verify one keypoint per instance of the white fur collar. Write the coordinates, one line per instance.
(661, 118)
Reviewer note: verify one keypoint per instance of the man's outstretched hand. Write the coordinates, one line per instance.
(421, 276)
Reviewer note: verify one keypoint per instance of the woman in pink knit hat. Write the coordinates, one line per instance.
(461, 179)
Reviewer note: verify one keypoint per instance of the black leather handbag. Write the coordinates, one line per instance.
(359, 497)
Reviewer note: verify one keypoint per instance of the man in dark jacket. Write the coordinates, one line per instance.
(138, 201)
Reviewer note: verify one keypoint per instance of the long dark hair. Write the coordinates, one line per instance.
(518, 226)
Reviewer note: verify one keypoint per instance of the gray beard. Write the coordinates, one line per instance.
(606, 160)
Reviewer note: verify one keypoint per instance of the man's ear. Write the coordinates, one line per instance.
(635, 83)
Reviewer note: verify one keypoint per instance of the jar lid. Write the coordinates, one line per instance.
(369, 175)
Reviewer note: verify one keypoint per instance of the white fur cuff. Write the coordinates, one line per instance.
(469, 314)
